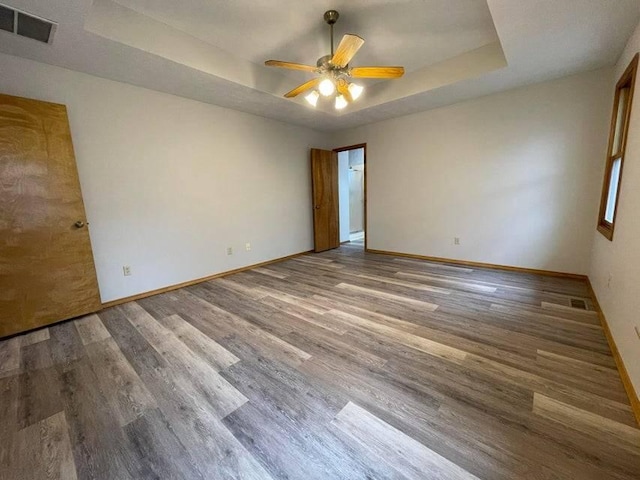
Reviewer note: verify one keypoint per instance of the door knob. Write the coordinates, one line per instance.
(79, 224)
(317, 207)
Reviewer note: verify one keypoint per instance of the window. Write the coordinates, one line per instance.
(616, 149)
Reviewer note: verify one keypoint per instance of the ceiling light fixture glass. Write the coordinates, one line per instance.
(327, 87)
(341, 102)
(312, 98)
(355, 90)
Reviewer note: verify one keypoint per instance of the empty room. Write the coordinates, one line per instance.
(319, 240)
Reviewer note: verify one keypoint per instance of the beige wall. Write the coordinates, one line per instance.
(615, 269)
(170, 183)
(515, 175)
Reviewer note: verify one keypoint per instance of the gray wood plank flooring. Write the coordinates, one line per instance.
(340, 365)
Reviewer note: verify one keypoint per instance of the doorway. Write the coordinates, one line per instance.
(352, 194)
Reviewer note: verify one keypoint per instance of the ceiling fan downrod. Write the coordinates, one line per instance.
(331, 17)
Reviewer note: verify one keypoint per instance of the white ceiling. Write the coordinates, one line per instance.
(412, 33)
(212, 50)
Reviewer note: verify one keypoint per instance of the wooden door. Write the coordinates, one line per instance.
(47, 272)
(326, 227)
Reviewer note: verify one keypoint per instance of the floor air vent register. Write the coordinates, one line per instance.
(578, 303)
(26, 24)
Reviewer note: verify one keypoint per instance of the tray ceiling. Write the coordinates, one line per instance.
(212, 51)
(412, 33)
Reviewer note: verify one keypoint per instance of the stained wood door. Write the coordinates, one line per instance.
(324, 172)
(47, 272)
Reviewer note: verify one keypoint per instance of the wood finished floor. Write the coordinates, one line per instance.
(341, 365)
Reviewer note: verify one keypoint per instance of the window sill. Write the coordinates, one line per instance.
(607, 231)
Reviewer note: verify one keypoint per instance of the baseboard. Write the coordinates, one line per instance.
(492, 266)
(169, 288)
(634, 400)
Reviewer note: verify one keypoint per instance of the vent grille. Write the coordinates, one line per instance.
(26, 25)
(7, 19)
(578, 303)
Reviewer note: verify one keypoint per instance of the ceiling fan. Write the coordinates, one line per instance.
(333, 70)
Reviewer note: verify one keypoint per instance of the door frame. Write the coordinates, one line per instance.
(355, 147)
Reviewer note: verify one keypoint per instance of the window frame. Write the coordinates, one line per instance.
(627, 80)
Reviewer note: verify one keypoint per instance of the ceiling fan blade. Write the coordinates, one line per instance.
(290, 65)
(301, 88)
(343, 88)
(348, 47)
(377, 72)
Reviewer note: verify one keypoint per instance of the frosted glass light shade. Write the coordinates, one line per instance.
(312, 98)
(326, 87)
(355, 90)
(341, 102)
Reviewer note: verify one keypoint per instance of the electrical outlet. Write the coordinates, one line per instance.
(456, 240)
(247, 246)
(638, 331)
(229, 250)
(126, 270)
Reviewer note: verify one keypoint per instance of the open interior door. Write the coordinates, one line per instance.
(47, 272)
(324, 173)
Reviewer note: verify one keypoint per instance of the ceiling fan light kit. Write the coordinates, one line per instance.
(312, 98)
(327, 87)
(333, 71)
(355, 90)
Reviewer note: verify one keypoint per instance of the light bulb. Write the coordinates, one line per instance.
(312, 98)
(326, 87)
(355, 90)
(341, 102)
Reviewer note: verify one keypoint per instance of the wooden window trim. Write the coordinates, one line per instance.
(628, 79)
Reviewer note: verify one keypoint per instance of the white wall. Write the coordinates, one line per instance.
(170, 183)
(356, 198)
(343, 194)
(620, 259)
(515, 175)
(356, 190)
(356, 157)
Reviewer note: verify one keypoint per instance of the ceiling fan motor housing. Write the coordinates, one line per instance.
(324, 61)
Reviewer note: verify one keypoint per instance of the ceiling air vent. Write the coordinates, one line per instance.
(7, 18)
(26, 25)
